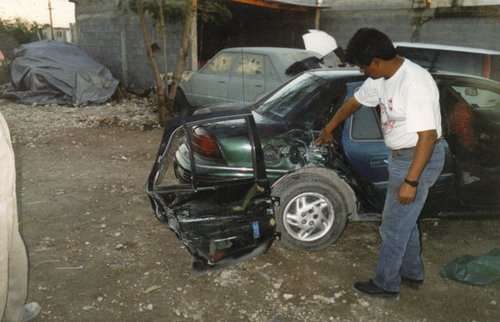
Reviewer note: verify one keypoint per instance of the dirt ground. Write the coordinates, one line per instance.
(97, 253)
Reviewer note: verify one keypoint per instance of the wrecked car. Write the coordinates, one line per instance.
(226, 180)
(221, 222)
(240, 74)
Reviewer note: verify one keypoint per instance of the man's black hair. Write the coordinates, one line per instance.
(369, 43)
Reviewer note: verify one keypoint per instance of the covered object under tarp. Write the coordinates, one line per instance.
(54, 72)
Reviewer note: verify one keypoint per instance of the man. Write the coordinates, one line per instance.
(13, 259)
(410, 116)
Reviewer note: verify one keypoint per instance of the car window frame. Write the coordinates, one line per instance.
(373, 111)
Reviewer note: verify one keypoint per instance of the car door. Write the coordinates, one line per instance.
(221, 222)
(209, 85)
(272, 77)
(364, 145)
(471, 126)
(248, 78)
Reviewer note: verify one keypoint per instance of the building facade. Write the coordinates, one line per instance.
(114, 39)
(471, 23)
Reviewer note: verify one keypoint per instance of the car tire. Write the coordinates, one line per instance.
(322, 196)
(181, 104)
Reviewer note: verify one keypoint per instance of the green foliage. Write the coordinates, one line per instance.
(214, 11)
(175, 11)
(23, 31)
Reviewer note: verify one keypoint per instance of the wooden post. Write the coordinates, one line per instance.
(51, 24)
(194, 36)
(318, 13)
(316, 20)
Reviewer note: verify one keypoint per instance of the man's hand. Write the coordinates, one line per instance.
(347, 109)
(423, 152)
(406, 194)
(323, 138)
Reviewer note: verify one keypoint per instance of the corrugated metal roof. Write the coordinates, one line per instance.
(304, 4)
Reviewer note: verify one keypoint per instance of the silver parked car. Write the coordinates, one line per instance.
(457, 59)
(241, 74)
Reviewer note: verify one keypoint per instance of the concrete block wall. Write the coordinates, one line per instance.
(347, 5)
(114, 39)
(98, 38)
(481, 32)
(343, 24)
(407, 20)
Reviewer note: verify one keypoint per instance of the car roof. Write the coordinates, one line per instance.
(336, 71)
(446, 47)
(443, 75)
(267, 50)
(281, 57)
(355, 75)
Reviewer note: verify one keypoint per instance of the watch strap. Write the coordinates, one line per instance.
(411, 183)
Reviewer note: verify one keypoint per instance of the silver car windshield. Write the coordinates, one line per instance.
(278, 104)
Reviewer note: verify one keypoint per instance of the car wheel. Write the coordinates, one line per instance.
(313, 208)
(181, 104)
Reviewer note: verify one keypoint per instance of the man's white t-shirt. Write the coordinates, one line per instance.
(409, 103)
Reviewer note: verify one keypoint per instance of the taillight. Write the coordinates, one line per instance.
(204, 144)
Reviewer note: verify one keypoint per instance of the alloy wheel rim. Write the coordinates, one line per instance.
(308, 216)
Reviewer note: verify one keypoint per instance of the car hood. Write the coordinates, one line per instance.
(222, 107)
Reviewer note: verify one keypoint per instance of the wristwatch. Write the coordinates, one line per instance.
(411, 183)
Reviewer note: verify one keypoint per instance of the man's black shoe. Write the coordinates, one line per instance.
(370, 289)
(415, 284)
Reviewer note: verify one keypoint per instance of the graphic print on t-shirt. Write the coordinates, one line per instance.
(387, 122)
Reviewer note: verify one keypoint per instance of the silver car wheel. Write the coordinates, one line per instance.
(308, 216)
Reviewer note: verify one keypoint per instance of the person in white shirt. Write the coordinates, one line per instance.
(13, 258)
(408, 98)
